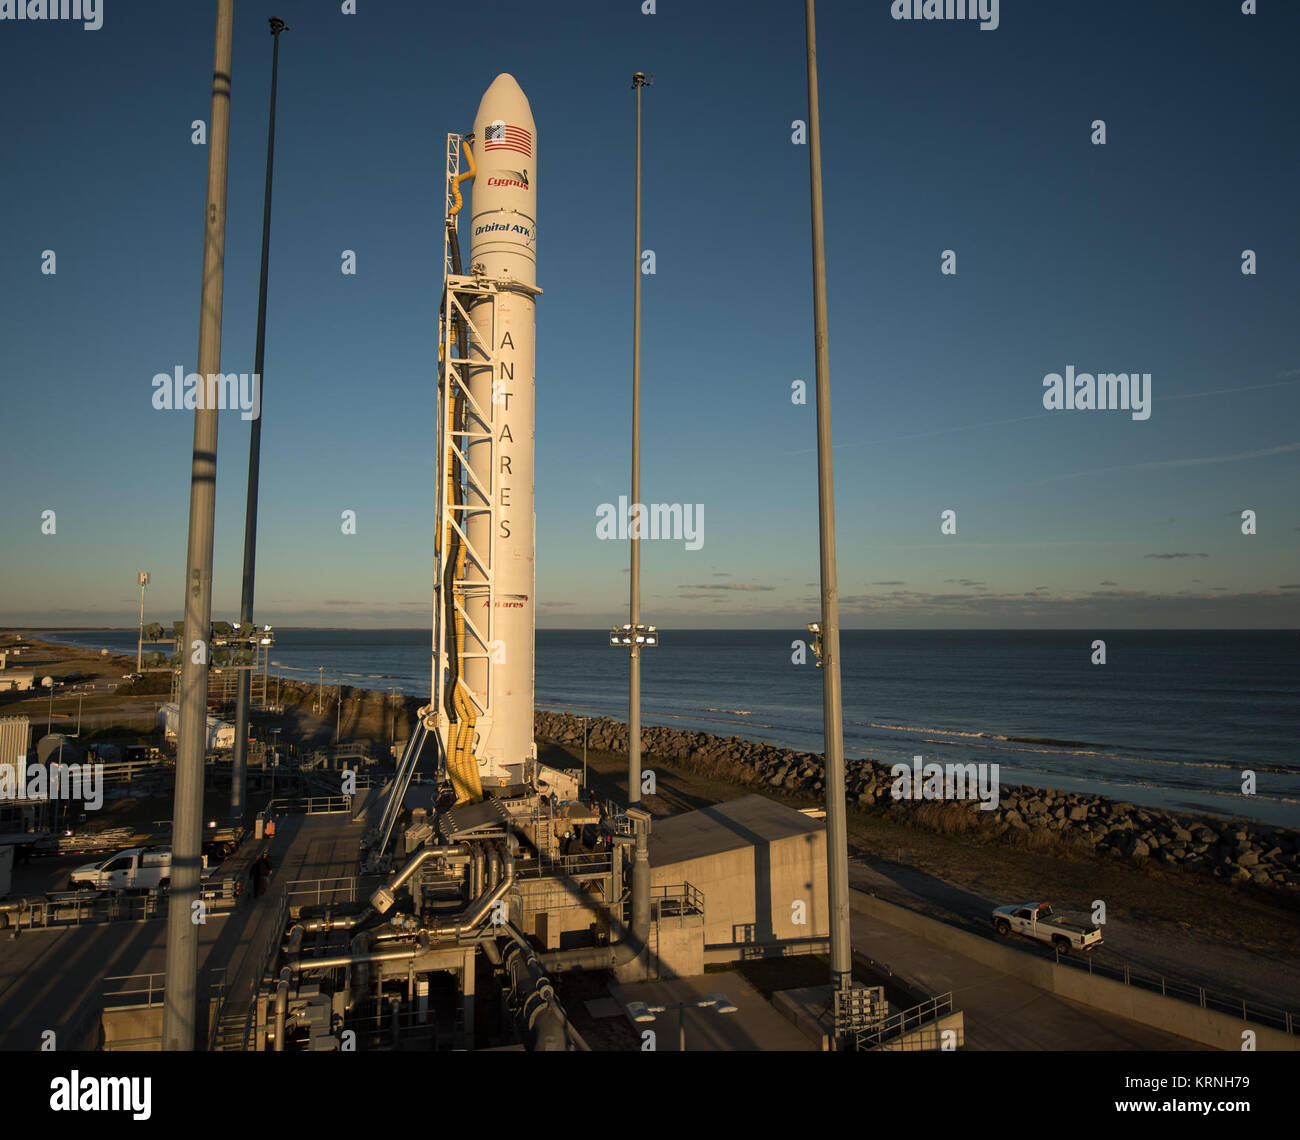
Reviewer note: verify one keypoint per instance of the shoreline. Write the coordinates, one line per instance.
(1185, 781)
(1233, 848)
(1238, 850)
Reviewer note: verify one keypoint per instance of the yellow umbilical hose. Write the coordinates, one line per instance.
(469, 173)
(462, 765)
(457, 202)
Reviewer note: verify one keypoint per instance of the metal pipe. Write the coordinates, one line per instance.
(281, 1007)
(180, 1007)
(539, 1008)
(382, 899)
(837, 851)
(331, 921)
(359, 981)
(472, 918)
(353, 959)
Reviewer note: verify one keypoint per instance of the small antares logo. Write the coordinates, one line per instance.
(89, 12)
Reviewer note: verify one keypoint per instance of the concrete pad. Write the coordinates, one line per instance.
(754, 1026)
(53, 979)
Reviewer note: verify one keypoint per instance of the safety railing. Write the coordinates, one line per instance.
(1271, 1016)
(399, 1026)
(79, 908)
(149, 991)
(309, 805)
(133, 991)
(901, 1024)
(319, 892)
(674, 900)
(589, 863)
(275, 936)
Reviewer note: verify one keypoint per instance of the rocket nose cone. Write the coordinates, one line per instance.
(504, 84)
(504, 99)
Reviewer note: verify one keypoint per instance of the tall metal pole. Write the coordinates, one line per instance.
(239, 761)
(180, 1007)
(837, 850)
(139, 645)
(634, 681)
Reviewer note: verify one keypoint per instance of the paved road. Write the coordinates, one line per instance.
(1001, 1011)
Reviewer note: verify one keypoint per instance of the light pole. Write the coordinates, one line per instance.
(239, 762)
(143, 579)
(634, 530)
(180, 1012)
(320, 691)
(837, 853)
(584, 753)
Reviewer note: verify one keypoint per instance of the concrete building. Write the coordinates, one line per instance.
(12, 681)
(761, 869)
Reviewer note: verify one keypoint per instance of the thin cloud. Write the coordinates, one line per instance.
(1168, 464)
(747, 586)
(1180, 554)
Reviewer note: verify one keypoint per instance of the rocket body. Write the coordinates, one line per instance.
(503, 241)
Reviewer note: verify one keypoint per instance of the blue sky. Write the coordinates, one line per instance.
(937, 135)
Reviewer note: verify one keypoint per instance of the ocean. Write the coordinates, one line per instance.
(1174, 719)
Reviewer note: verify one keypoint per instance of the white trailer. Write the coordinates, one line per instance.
(221, 733)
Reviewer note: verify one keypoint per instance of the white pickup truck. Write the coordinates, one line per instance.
(140, 868)
(1038, 921)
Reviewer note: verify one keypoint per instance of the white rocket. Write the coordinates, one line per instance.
(503, 252)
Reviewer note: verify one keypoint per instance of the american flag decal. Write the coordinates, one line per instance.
(501, 136)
